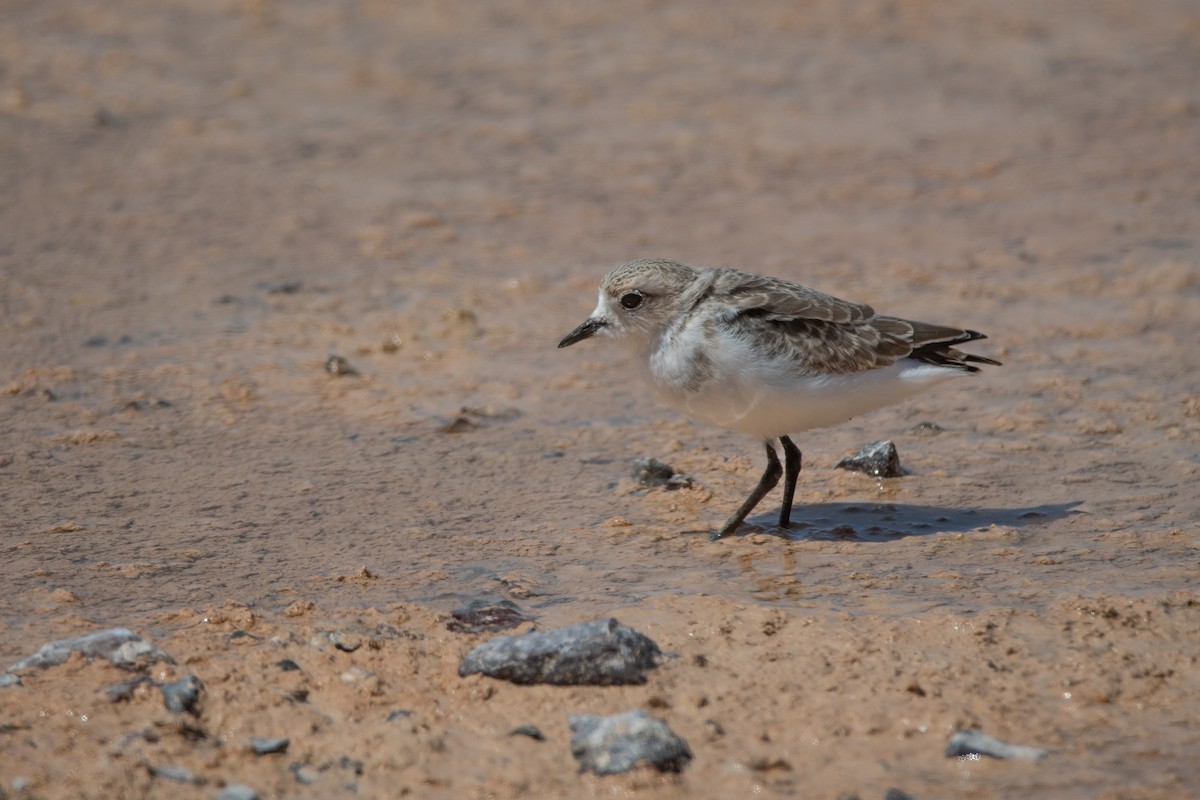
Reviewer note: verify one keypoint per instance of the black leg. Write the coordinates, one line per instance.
(791, 461)
(765, 484)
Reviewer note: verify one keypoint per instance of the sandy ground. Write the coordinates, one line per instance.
(203, 201)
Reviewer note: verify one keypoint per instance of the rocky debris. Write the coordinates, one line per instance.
(339, 367)
(172, 773)
(237, 792)
(346, 642)
(652, 472)
(596, 653)
(125, 690)
(877, 459)
(267, 746)
(972, 742)
(926, 429)
(468, 418)
(482, 616)
(609, 745)
(532, 731)
(120, 646)
(303, 774)
(183, 695)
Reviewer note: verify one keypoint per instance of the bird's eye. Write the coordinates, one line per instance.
(631, 300)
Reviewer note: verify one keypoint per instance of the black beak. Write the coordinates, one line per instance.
(588, 328)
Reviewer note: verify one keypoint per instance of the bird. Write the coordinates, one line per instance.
(767, 357)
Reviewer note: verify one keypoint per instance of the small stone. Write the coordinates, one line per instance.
(345, 642)
(898, 794)
(237, 792)
(596, 653)
(125, 690)
(972, 742)
(354, 675)
(121, 646)
(303, 774)
(266, 746)
(8, 679)
(183, 695)
(336, 365)
(926, 429)
(528, 730)
(172, 773)
(610, 745)
(877, 459)
(400, 713)
(482, 616)
(652, 472)
(287, 665)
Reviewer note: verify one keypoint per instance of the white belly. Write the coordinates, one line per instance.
(768, 399)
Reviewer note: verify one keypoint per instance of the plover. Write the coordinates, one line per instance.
(767, 357)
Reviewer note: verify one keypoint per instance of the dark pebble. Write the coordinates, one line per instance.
(402, 713)
(264, 747)
(972, 742)
(877, 459)
(287, 665)
(346, 762)
(183, 695)
(897, 794)
(528, 730)
(597, 653)
(95, 341)
(609, 745)
(336, 365)
(243, 635)
(652, 472)
(237, 792)
(482, 616)
(288, 287)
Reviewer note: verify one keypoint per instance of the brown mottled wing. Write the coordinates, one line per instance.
(787, 300)
(823, 334)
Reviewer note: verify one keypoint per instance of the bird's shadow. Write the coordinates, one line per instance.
(885, 522)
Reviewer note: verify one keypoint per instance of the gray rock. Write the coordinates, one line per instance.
(877, 459)
(897, 794)
(972, 742)
(596, 653)
(608, 745)
(263, 746)
(652, 472)
(172, 773)
(121, 646)
(303, 774)
(8, 679)
(183, 695)
(237, 792)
